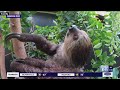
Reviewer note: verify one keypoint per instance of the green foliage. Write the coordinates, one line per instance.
(26, 20)
(5, 29)
(37, 54)
(50, 32)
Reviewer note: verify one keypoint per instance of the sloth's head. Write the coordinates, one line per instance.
(77, 45)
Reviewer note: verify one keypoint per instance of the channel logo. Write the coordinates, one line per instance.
(104, 68)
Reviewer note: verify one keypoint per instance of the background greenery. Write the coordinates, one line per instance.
(105, 40)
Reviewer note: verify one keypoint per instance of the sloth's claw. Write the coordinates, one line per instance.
(12, 35)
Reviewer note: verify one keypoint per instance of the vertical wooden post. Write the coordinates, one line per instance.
(15, 26)
(2, 60)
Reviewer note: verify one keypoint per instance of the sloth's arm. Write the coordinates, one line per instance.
(41, 43)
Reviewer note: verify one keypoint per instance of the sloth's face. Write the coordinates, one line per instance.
(76, 45)
(76, 38)
(74, 34)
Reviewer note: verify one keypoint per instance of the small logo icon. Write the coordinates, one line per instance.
(39, 74)
(104, 68)
(81, 74)
(44, 74)
(77, 74)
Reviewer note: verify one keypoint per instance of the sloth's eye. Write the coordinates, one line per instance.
(75, 37)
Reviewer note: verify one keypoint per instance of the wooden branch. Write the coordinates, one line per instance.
(18, 46)
(2, 60)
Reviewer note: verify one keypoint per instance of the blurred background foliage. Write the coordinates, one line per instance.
(104, 36)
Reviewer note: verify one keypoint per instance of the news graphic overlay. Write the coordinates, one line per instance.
(13, 16)
(8, 15)
(4, 13)
(107, 71)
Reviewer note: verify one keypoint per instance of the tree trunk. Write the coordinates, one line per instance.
(18, 46)
(2, 60)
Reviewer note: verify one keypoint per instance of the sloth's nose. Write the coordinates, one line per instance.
(73, 27)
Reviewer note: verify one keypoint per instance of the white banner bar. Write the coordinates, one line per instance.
(12, 74)
(66, 74)
(107, 74)
(28, 74)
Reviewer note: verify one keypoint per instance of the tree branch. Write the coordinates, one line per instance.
(18, 46)
(2, 60)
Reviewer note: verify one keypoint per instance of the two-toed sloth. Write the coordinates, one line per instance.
(70, 56)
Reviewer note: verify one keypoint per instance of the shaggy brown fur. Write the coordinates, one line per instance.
(67, 57)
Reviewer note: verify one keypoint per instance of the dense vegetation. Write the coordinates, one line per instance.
(106, 43)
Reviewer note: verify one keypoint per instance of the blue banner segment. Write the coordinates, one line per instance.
(71, 74)
(13, 16)
(91, 74)
(62, 74)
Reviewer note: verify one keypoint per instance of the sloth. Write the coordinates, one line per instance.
(70, 56)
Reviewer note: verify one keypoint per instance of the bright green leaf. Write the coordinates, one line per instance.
(98, 52)
(98, 45)
(96, 41)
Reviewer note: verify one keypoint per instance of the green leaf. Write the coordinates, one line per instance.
(98, 52)
(85, 21)
(106, 41)
(114, 55)
(101, 58)
(107, 44)
(110, 59)
(37, 26)
(96, 41)
(111, 50)
(109, 33)
(118, 49)
(97, 45)
(104, 55)
(97, 64)
(99, 25)
(112, 63)
(107, 26)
